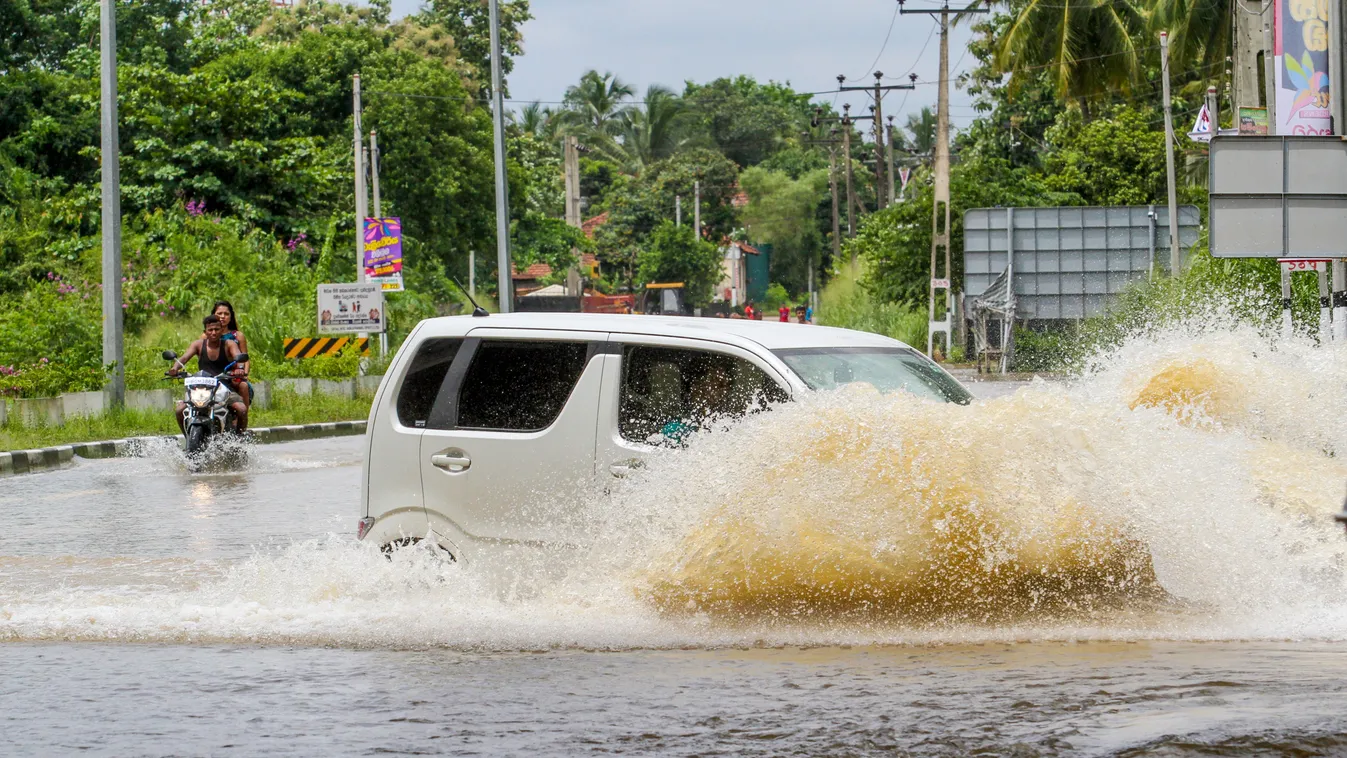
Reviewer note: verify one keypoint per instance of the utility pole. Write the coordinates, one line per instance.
(697, 208)
(940, 211)
(572, 169)
(571, 163)
(378, 213)
(893, 194)
(111, 211)
(877, 92)
(504, 275)
(374, 172)
(472, 274)
(1175, 264)
(361, 211)
(1269, 66)
(678, 210)
(1214, 109)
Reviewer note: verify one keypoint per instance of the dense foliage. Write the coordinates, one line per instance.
(237, 169)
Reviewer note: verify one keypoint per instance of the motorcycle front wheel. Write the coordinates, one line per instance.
(196, 439)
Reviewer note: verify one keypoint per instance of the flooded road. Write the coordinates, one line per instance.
(1199, 608)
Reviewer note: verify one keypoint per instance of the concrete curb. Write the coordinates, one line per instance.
(18, 462)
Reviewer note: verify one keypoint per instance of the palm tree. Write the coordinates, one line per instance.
(1085, 46)
(1199, 31)
(596, 104)
(536, 120)
(654, 130)
(921, 129)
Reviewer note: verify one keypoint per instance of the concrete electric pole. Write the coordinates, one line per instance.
(571, 165)
(697, 208)
(361, 197)
(111, 212)
(504, 275)
(1175, 262)
(940, 212)
(877, 92)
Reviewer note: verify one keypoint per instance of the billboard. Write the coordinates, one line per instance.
(1278, 197)
(350, 308)
(383, 252)
(1069, 261)
(1301, 48)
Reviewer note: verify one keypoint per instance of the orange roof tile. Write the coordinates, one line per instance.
(589, 225)
(535, 271)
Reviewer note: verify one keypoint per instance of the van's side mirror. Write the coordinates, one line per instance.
(169, 355)
(242, 358)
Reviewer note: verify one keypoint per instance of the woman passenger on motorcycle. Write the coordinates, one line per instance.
(224, 311)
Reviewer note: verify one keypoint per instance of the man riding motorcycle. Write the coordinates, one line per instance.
(213, 354)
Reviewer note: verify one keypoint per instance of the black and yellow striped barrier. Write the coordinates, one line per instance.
(312, 347)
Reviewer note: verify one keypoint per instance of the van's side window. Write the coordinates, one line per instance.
(423, 380)
(667, 393)
(519, 386)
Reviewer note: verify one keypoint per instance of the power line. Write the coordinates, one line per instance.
(882, 48)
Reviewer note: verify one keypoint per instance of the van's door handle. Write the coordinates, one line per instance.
(624, 468)
(453, 461)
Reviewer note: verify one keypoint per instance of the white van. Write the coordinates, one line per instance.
(485, 428)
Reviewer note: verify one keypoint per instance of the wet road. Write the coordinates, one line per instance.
(148, 611)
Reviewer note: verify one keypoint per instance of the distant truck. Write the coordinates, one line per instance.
(664, 300)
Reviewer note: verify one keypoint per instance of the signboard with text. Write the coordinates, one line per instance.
(383, 252)
(350, 308)
(1301, 47)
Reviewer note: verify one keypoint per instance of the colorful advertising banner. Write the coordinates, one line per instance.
(349, 308)
(1301, 48)
(383, 253)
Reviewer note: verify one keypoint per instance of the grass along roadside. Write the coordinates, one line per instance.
(286, 408)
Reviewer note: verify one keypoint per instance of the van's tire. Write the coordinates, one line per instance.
(389, 548)
(196, 439)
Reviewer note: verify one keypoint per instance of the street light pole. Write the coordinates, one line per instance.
(503, 273)
(111, 219)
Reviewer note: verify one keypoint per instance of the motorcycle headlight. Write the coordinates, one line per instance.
(199, 396)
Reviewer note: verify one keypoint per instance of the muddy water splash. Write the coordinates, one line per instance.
(1192, 475)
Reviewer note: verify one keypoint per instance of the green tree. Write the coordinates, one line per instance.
(596, 104)
(921, 131)
(540, 239)
(468, 23)
(745, 120)
(781, 212)
(1118, 159)
(1087, 46)
(678, 175)
(675, 254)
(652, 131)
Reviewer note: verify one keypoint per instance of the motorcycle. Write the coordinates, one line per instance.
(208, 414)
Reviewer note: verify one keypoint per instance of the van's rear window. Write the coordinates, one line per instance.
(424, 378)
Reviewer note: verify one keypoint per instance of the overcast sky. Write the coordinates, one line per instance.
(804, 42)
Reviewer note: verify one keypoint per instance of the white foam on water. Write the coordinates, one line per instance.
(1183, 489)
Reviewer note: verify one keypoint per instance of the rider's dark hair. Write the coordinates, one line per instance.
(233, 325)
(210, 320)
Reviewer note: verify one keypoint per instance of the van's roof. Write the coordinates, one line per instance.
(773, 335)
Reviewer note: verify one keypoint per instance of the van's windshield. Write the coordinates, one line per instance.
(885, 368)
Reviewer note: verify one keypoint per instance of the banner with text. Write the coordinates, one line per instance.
(350, 308)
(383, 252)
(1301, 47)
